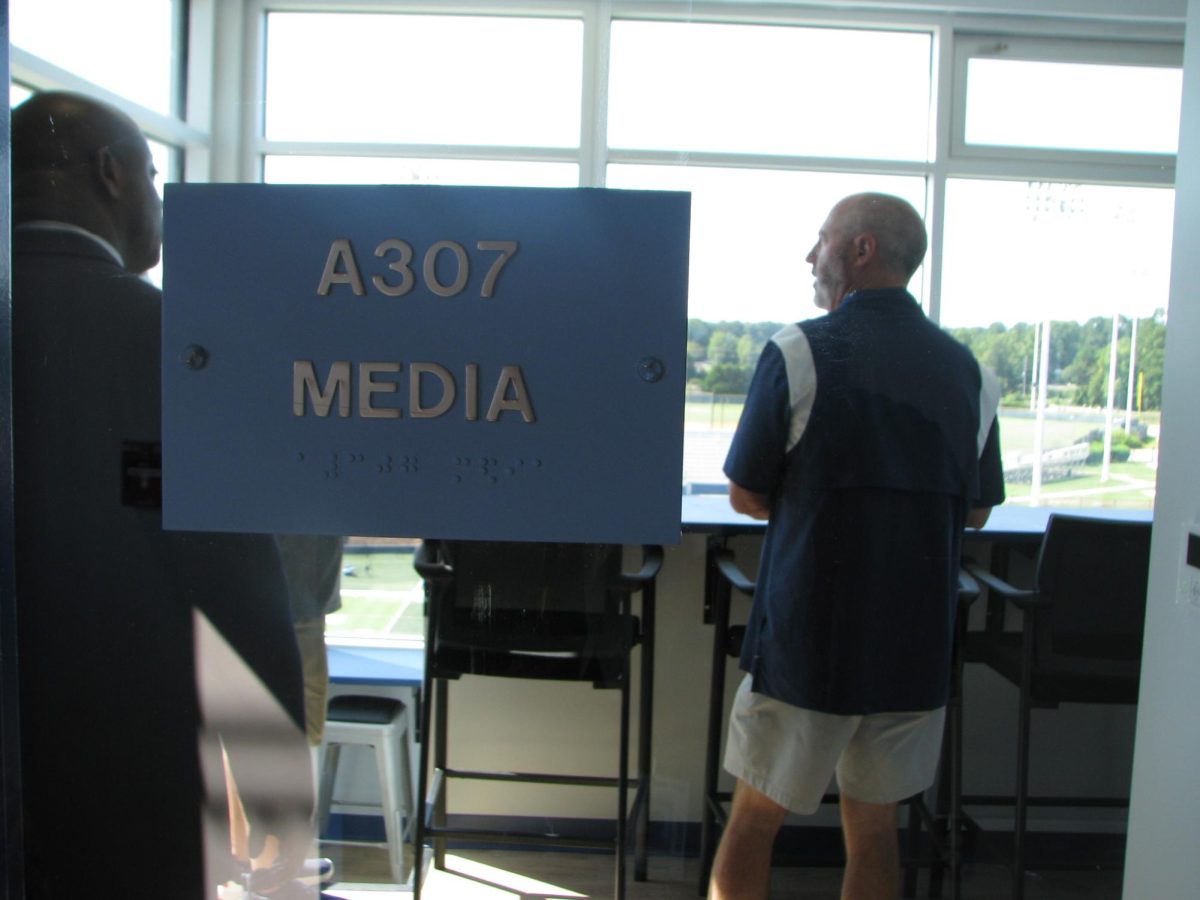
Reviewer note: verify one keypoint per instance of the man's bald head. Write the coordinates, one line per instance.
(867, 241)
(58, 131)
(80, 161)
(895, 224)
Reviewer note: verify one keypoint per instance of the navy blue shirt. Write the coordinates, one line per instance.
(873, 432)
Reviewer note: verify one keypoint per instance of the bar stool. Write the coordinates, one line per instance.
(382, 724)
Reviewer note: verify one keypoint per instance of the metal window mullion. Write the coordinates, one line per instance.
(254, 85)
(942, 113)
(770, 161)
(593, 109)
(264, 147)
(969, 44)
(1072, 171)
(200, 86)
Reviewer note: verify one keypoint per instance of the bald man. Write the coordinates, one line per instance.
(868, 441)
(106, 599)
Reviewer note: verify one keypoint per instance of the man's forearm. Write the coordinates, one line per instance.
(749, 503)
(977, 517)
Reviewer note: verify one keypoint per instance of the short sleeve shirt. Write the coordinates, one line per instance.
(872, 431)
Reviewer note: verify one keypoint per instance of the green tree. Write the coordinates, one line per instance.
(727, 378)
(722, 348)
(699, 331)
(748, 350)
(1151, 342)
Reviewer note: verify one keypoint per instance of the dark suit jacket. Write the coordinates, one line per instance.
(109, 706)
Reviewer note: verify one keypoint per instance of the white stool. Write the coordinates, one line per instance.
(380, 723)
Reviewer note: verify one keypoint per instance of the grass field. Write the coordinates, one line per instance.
(1062, 428)
(381, 596)
(1130, 486)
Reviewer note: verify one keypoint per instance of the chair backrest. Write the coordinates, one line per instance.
(505, 602)
(1094, 573)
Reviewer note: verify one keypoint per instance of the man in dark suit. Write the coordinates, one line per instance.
(108, 602)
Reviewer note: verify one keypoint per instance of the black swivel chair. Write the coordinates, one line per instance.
(535, 610)
(1080, 639)
(722, 578)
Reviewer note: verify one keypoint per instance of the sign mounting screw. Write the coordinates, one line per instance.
(195, 357)
(651, 369)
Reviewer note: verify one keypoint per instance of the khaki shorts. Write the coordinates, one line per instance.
(790, 754)
(310, 638)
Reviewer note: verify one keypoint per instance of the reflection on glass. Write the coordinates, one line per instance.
(1073, 106)
(134, 61)
(424, 79)
(758, 89)
(397, 170)
(753, 228)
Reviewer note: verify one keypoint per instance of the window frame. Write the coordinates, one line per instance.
(1099, 166)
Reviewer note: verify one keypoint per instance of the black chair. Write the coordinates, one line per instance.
(536, 610)
(722, 578)
(1080, 640)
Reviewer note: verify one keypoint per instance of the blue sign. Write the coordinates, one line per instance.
(452, 362)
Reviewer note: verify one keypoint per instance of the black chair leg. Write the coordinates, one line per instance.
(622, 783)
(954, 818)
(440, 736)
(424, 735)
(913, 863)
(1021, 816)
(716, 702)
(645, 725)
(1022, 789)
(942, 821)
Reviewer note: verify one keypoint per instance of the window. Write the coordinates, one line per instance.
(134, 67)
(769, 90)
(767, 124)
(137, 61)
(1028, 262)
(1026, 251)
(1094, 97)
(400, 79)
(1072, 106)
(737, 115)
(751, 231)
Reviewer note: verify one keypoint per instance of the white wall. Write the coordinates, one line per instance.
(1165, 814)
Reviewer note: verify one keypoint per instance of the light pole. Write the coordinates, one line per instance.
(1112, 391)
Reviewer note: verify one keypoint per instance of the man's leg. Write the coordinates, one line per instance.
(742, 865)
(872, 850)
